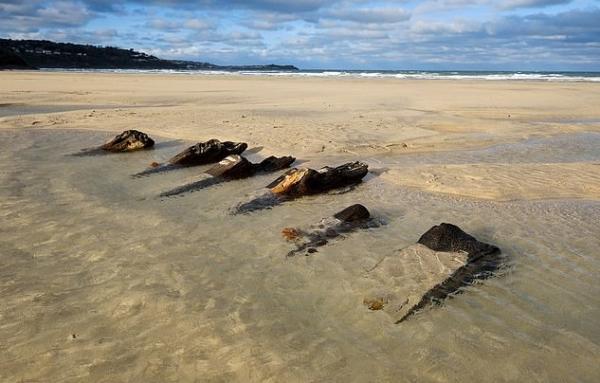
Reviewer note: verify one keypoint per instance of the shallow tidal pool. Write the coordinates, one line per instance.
(101, 280)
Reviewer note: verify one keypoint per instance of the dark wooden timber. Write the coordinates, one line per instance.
(201, 153)
(482, 260)
(296, 183)
(232, 168)
(346, 221)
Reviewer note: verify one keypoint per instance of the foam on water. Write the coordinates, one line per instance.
(103, 281)
(415, 75)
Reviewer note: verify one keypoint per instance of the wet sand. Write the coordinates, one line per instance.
(324, 118)
(103, 281)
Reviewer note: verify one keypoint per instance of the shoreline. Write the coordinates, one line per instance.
(510, 76)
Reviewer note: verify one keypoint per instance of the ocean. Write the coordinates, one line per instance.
(399, 74)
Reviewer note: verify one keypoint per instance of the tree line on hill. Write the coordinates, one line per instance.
(32, 54)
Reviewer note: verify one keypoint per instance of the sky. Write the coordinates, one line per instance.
(328, 34)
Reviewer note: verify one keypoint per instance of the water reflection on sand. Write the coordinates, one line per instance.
(100, 280)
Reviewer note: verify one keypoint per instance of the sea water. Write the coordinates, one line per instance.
(397, 74)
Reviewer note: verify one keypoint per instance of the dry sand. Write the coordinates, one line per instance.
(314, 118)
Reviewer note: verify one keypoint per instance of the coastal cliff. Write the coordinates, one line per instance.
(11, 60)
(31, 54)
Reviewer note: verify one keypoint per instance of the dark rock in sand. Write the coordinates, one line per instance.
(299, 182)
(128, 141)
(346, 221)
(482, 260)
(208, 152)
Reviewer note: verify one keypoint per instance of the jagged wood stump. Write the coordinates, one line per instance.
(332, 228)
(207, 152)
(201, 153)
(236, 167)
(128, 141)
(300, 182)
(444, 260)
(231, 168)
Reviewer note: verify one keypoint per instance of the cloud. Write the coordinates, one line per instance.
(269, 21)
(17, 8)
(284, 6)
(436, 28)
(574, 25)
(337, 33)
(163, 24)
(512, 4)
(198, 24)
(30, 16)
(175, 25)
(370, 15)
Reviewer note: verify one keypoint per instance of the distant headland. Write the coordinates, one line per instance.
(33, 54)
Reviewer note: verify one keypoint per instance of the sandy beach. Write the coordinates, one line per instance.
(101, 281)
(334, 118)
